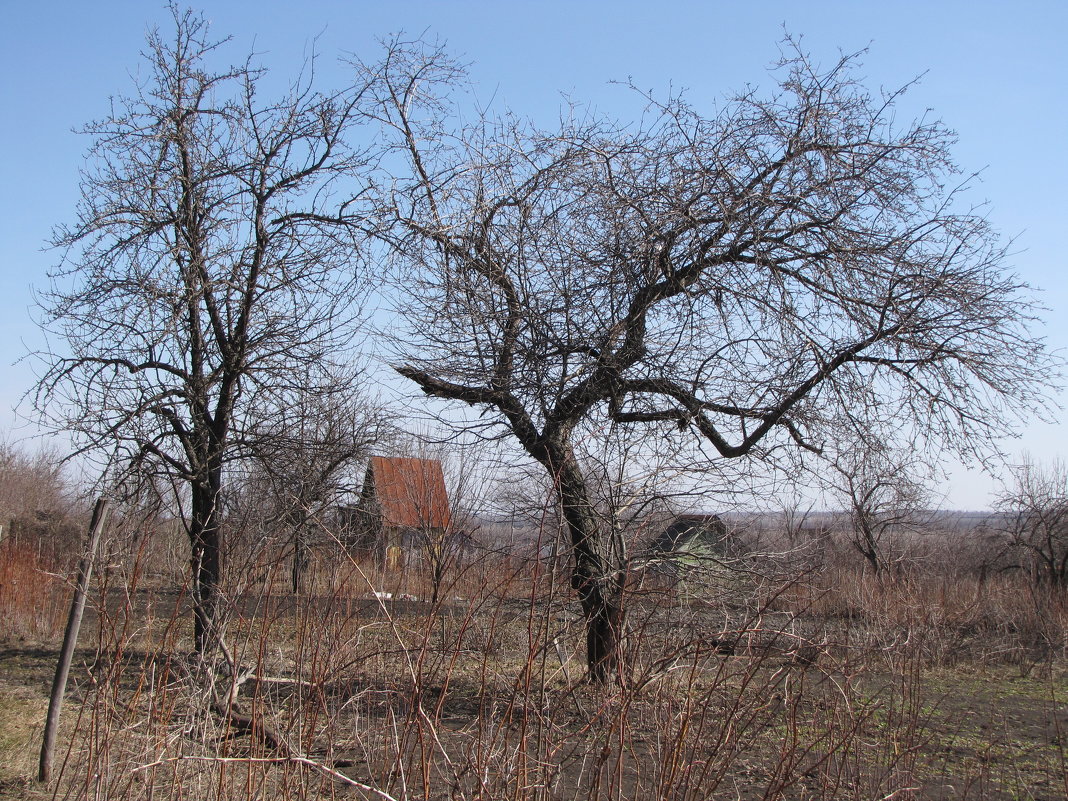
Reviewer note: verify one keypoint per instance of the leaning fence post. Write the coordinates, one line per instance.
(70, 639)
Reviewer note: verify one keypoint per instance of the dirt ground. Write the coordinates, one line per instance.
(984, 733)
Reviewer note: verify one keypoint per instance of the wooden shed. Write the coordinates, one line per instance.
(403, 503)
(689, 540)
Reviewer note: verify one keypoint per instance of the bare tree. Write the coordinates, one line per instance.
(749, 282)
(792, 510)
(442, 549)
(306, 462)
(214, 257)
(35, 496)
(1035, 511)
(886, 493)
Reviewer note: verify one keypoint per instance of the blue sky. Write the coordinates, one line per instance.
(993, 71)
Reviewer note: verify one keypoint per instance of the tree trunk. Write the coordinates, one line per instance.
(300, 559)
(865, 542)
(604, 627)
(206, 539)
(598, 585)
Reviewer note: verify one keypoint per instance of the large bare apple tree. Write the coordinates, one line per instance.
(209, 277)
(757, 281)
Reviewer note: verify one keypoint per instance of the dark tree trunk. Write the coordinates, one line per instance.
(437, 577)
(300, 559)
(868, 547)
(206, 539)
(598, 584)
(604, 627)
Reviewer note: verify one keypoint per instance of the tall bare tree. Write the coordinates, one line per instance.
(215, 256)
(750, 281)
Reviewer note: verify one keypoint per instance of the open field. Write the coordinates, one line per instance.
(765, 679)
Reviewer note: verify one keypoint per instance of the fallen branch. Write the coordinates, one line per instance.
(292, 760)
(255, 727)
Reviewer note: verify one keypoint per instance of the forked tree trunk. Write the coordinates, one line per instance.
(868, 546)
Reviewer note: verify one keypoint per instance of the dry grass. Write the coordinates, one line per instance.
(762, 682)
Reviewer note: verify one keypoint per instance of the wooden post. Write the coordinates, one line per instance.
(70, 639)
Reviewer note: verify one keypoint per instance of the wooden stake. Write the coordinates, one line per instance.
(70, 639)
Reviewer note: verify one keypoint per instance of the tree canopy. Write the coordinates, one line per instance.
(789, 271)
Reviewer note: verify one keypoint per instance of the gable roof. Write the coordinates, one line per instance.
(410, 492)
(690, 532)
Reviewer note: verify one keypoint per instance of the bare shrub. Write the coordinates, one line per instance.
(1035, 510)
(761, 680)
(36, 501)
(33, 594)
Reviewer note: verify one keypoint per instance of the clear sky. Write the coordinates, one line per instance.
(996, 72)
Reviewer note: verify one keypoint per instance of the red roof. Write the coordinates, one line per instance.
(410, 492)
